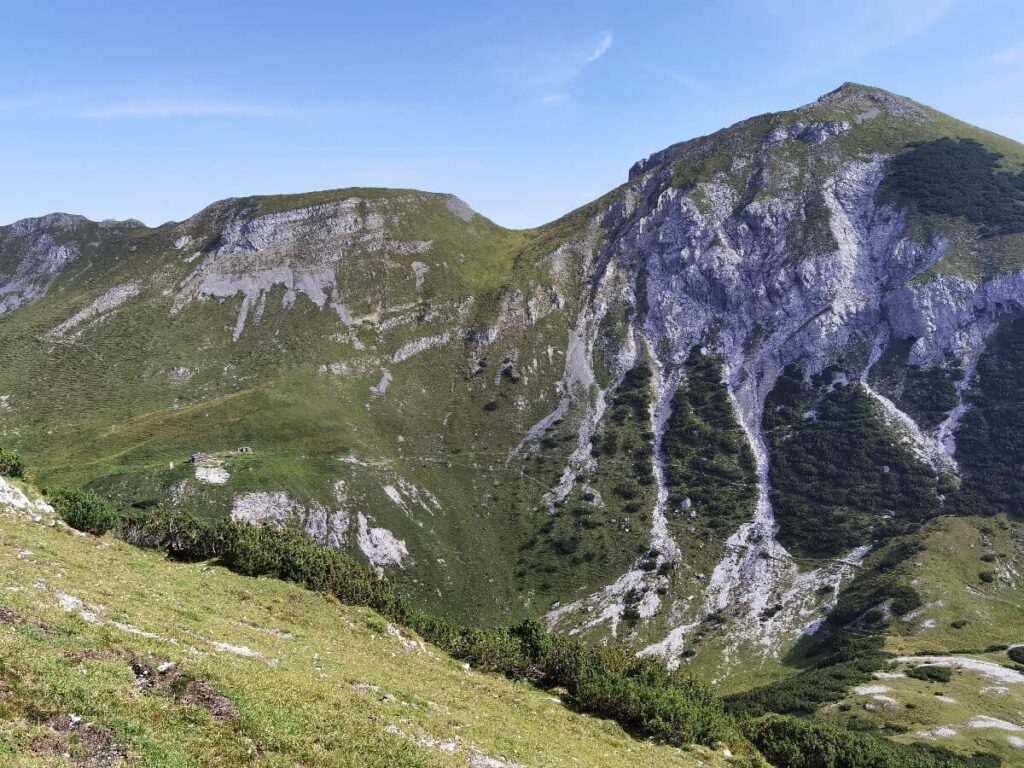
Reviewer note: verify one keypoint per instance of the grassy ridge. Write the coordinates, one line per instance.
(117, 405)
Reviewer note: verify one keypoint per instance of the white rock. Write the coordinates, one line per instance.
(994, 672)
(984, 721)
(212, 475)
(381, 546)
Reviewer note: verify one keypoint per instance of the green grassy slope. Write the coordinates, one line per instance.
(307, 680)
(118, 404)
(964, 618)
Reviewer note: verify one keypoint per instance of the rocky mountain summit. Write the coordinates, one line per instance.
(709, 412)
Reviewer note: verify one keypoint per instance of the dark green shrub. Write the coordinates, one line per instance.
(853, 662)
(987, 576)
(708, 458)
(836, 476)
(957, 177)
(802, 743)
(1016, 654)
(84, 510)
(494, 650)
(624, 434)
(566, 545)
(535, 639)
(931, 674)
(181, 536)
(260, 550)
(11, 464)
(989, 439)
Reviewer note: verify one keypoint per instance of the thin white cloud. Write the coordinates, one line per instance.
(554, 99)
(549, 72)
(674, 76)
(156, 109)
(602, 47)
(850, 32)
(1009, 56)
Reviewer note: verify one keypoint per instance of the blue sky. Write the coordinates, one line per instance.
(526, 110)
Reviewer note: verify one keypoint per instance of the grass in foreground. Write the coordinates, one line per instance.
(313, 682)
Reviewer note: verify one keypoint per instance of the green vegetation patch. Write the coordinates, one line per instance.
(931, 674)
(839, 477)
(708, 458)
(990, 438)
(810, 744)
(687, 173)
(601, 526)
(11, 463)
(811, 233)
(925, 394)
(84, 510)
(957, 177)
(630, 406)
(852, 662)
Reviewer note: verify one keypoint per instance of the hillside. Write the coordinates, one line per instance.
(110, 652)
(714, 412)
(965, 623)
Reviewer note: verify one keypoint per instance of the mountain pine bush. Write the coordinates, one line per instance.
(803, 743)
(931, 674)
(84, 510)
(11, 463)
(957, 177)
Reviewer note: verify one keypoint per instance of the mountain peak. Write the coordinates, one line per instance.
(852, 89)
(65, 222)
(860, 100)
(850, 105)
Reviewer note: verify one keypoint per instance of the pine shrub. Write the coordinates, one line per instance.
(11, 463)
(84, 510)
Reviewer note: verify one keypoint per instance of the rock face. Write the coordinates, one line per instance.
(15, 501)
(499, 416)
(329, 527)
(41, 257)
(301, 250)
(721, 272)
